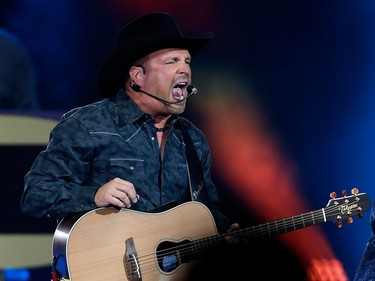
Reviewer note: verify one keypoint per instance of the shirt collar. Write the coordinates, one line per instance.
(129, 112)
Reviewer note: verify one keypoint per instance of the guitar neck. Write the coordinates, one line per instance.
(284, 225)
(266, 230)
(336, 210)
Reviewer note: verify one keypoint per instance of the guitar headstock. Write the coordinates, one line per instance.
(346, 206)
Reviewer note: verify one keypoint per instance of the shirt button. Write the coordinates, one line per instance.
(131, 167)
(152, 138)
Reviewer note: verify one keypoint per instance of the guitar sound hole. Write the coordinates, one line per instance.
(170, 255)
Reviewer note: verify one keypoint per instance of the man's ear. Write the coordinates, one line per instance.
(136, 74)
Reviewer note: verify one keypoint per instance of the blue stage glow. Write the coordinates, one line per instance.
(16, 274)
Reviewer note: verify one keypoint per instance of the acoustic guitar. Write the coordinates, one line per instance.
(121, 244)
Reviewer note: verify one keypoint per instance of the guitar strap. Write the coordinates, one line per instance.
(196, 183)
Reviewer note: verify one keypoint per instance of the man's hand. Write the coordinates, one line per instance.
(117, 192)
(229, 238)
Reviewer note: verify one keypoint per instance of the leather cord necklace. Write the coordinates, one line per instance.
(163, 129)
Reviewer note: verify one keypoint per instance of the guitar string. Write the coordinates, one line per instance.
(256, 229)
(192, 247)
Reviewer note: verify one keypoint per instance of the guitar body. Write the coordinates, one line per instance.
(94, 245)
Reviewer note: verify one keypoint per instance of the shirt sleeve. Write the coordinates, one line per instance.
(54, 186)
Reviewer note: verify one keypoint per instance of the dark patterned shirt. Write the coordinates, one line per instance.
(93, 144)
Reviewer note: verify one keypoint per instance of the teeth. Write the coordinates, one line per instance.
(180, 85)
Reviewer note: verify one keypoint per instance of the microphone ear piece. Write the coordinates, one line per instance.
(136, 87)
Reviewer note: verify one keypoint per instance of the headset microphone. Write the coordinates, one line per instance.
(192, 90)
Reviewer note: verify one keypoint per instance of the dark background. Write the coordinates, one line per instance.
(309, 65)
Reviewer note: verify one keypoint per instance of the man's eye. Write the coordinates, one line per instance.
(170, 61)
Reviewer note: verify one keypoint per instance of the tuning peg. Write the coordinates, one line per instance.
(355, 191)
(339, 224)
(360, 215)
(349, 220)
(333, 195)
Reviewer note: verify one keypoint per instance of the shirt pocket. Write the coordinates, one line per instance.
(128, 168)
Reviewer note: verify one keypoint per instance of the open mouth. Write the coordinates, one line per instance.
(178, 91)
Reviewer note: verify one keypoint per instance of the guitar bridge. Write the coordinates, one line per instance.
(131, 261)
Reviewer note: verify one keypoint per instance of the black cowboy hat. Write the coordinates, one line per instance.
(139, 38)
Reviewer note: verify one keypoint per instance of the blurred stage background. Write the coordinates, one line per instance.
(297, 75)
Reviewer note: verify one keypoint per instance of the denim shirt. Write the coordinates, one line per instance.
(111, 138)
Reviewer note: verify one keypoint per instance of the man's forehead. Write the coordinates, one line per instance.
(169, 52)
